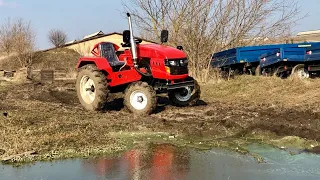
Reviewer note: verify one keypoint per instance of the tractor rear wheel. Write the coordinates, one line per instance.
(185, 96)
(140, 98)
(92, 88)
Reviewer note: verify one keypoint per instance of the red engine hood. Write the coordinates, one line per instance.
(160, 51)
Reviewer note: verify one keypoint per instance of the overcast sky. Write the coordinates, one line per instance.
(82, 17)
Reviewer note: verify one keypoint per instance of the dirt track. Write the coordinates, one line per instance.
(49, 118)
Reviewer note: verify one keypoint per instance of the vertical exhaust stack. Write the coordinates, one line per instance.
(133, 43)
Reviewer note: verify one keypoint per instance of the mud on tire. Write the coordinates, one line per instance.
(98, 85)
(191, 101)
(140, 98)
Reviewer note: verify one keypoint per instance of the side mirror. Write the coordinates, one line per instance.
(180, 47)
(164, 36)
(126, 36)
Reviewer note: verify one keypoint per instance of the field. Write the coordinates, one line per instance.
(44, 122)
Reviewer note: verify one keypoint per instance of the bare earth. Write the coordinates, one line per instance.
(40, 122)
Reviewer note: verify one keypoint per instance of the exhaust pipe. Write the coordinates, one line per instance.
(133, 43)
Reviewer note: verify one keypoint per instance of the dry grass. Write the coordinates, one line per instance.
(269, 91)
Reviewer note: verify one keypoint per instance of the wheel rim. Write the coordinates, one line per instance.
(87, 89)
(184, 94)
(303, 74)
(138, 100)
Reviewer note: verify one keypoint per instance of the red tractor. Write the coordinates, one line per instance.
(141, 71)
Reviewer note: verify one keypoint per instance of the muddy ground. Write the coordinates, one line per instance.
(39, 122)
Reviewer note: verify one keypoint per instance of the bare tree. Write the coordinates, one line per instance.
(57, 37)
(17, 38)
(6, 37)
(207, 26)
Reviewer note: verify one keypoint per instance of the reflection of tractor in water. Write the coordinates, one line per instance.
(155, 162)
(142, 71)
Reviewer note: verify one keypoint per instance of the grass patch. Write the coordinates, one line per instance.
(267, 91)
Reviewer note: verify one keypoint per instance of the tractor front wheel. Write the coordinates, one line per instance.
(92, 88)
(185, 96)
(140, 98)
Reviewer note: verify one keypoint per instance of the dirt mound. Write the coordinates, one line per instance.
(53, 59)
(56, 59)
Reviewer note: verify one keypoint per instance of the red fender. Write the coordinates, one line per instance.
(101, 63)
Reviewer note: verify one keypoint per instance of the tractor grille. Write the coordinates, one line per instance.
(178, 70)
(177, 66)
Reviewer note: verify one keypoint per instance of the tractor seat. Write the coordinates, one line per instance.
(108, 52)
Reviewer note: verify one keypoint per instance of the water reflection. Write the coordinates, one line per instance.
(166, 162)
(153, 162)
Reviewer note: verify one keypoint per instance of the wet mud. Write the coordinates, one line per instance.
(50, 117)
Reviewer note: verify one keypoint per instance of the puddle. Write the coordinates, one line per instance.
(165, 162)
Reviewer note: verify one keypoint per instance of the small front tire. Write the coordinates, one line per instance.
(140, 98)
(187, 96)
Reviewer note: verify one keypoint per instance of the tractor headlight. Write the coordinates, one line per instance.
(184, 62)
(173, 63)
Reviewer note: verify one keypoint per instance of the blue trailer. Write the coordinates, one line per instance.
(287, 60)
(312, 59)
(243, 59)
(240, 59)
(247, 59)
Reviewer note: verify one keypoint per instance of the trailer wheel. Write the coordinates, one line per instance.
(276, 72)
(92, 88)
(300, 71)
(140, 98)
(187, 96)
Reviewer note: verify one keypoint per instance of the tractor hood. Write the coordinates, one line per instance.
(160, 51)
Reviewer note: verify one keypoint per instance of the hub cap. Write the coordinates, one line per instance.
(303, 74)
(87, 89)
(183, 94)
(138, 100)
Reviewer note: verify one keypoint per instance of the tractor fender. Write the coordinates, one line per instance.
(101, 63)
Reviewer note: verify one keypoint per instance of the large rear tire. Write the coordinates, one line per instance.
(187, 96)
(140, 98)
(92, 88)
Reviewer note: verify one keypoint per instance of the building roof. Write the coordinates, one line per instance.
(95, 37)
(70, 42)
(305, 33)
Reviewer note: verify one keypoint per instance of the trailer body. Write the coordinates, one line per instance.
(240, 55)
(285, 60)
(245, 59)
(283, 54)
(312, 58)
